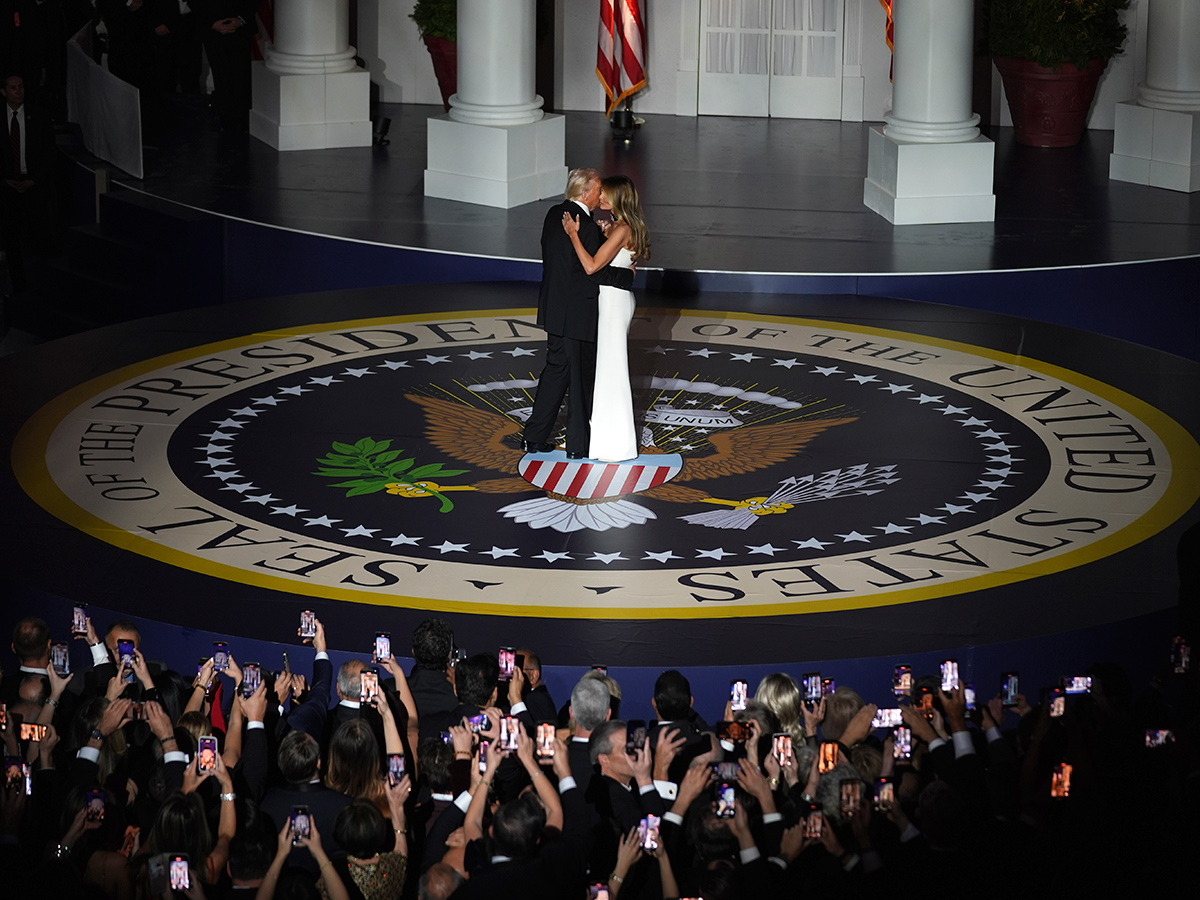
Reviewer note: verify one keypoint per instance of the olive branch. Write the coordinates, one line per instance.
(371, 466)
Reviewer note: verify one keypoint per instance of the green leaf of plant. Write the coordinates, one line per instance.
(364, 445)
(397, 466)
(340, 460)
(345, 448)
(339, 473)
(381, 446)
(386, 457)
(365, 489)
(361, 482)
(425, 471)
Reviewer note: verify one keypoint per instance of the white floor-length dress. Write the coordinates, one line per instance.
(613, 438)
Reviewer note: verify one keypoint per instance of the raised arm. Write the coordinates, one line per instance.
(617, 236)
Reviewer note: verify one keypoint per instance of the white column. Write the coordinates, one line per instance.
(496, 147)
(310, 94)
(929, 163)
(1157, 137)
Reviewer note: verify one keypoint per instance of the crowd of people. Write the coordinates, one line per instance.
(464, 778)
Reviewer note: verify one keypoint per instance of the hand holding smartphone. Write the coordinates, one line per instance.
(308, 625)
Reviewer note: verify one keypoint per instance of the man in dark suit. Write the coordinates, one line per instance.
(25, 195)
(568, 311)
(228, 30)
(536, 695)
(429, 681)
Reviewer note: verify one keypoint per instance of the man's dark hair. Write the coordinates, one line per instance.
(601, 741)
(432, 641)
(672, 696)
(125, 625)
(253, 846)
(434, 757)
(299, 754)
(30, 638)
(475, 678)
(533, 661)
(518, 825)
(360, 829)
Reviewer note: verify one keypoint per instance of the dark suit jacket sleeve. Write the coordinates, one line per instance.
(592, 239)
(435, 842)
(310, 717)
(253, 766)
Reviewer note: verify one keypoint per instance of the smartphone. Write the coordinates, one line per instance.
(27, 774)
(308, 624)
(251, 678)
(829, 757)
(507, 658)
(395, 768)
(479, 723)
(178, 874)
(131, 833)
(726, 799)
(137, 710)
(885, 792)
(368, 686)
(79, 619)
(725, 771)
(814, 822)
(603, 670)
(812, 687)
(781, 747)
(519, 661)
(733, 732)
(301, 824)
(206, 754)
(648, 832)
(850, 791)
(1010, 686)
(902, 744)
(383, 646)
(60, 658)
(949, 670)
(828, 686)
(545, 740)
(447, 737)
(598, 892)
(508, 734)
(287, 664)
(925, 703)
(1077, 684)
(95, 805)
(3, 717)
(125, 655)
(483, 757)
(969, 695)
(1057, 701)
(1060, 780)
(220, 655)
(1159, 737)
(32, 732)
(635, 735)
(1181, 655)
(13, 773)
(887, 718)
(902, 681)
(738, 693)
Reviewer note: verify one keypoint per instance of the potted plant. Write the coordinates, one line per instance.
(437, 22)
(1051, 54)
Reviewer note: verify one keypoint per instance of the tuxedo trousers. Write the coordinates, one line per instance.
(571, 372)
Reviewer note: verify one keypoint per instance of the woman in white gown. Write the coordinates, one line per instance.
(613, 437)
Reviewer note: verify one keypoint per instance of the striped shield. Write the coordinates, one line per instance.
(586, 479)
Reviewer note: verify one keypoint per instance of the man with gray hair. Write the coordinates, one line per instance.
(568, 311)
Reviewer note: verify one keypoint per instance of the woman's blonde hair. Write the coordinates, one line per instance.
(622, 196)
(779, 693)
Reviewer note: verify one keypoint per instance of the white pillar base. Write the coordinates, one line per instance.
(311, 112)
(496, 165)
(927, 184)
(1156, 147)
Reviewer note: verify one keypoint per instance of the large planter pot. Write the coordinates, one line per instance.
(1049, 106)
(444, 54)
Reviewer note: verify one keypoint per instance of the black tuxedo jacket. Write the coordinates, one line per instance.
(431, 691)
(567, 299)
(39, 147)
(323, 805)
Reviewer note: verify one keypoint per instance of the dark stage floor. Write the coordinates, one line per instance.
(721, 194)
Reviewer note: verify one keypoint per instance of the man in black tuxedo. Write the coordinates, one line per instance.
(25, 194)
(568, 311)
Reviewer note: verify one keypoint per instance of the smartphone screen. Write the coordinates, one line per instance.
(32, 732)
(545, 740)
(383, 646)
(1057, 701)
(969, 695)
(887, 718)
(483, 757)
(949, 669)
(812, 687)
(1060, 780)
(1159, 737)
(598, 892)
(902, 681)
(13, 774)
(95, 805)
(1077, 684)
(125, 655)
(781, 746)
(1181, 655)
(308, 624)
(1010, 686)
(131, 834)
(738, 693)
(508, 733)
(733, 732)
(178, 874)
(27, 773)
(220, 655)
(507, 658)
(885, 792)
(395, 768)
(301, 824)
(3, 717)
(726, 798)
(368, 686)
(902, 744)
(829, 757)
(251, 678)
(79, 619)
(60, 658)
(814, 822)
(479, 723)
(851, 796)
(635, 735)
(648, 832)
(828, 686)
(206, 754)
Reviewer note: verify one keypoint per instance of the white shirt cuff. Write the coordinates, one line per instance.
(772, 817)
(851, 862)
(779, 861)
(566, 783)
(99, 654)
(91, 754)
(252, 724)
(935, 743)
(727, 746)
(463, 800)
(993, 734)
(749, 855)
(647, 788)
(963, 745)
(321, 654)
(666, 789)
(674, 818)
(517, 708)
(175, 756)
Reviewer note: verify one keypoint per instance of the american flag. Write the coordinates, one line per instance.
(620, 63)
(890, 30)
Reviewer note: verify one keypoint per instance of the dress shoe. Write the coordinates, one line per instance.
(574, 454)
(535, 447)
